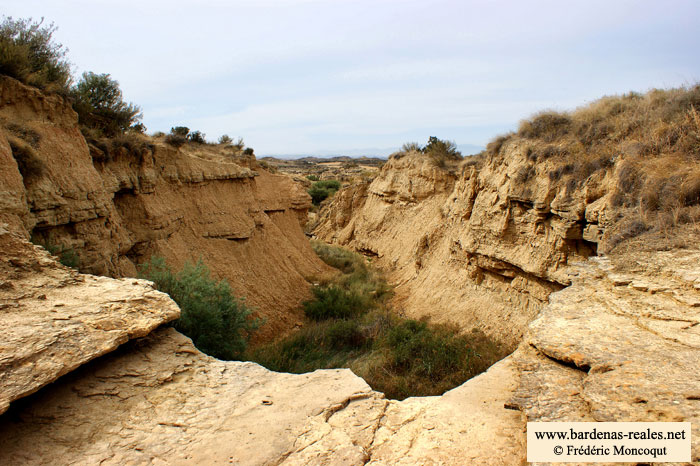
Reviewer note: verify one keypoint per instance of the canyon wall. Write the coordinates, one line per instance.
(183, 204)
(475, 244)
(499, 244)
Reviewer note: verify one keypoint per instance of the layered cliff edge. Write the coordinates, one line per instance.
(182, 204)
(469, 245)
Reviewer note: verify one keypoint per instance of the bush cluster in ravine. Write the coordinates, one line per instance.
(323, 189)
(351, 326)
(218, 323)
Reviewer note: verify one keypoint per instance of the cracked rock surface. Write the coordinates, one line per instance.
(607, 349)
(158, 400)
(53, 319)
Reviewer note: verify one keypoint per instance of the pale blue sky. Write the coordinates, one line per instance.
(306, 76)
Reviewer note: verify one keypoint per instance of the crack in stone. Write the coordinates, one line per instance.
(369, 450)
(330, 411)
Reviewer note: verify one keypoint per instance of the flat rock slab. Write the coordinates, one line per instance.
(52, 319)
(158, 400)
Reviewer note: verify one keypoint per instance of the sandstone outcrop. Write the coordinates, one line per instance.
(618, 346)
(499, 245)
(183, 204)
(54, 319)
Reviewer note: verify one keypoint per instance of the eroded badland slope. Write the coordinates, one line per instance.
(152, 199)
(506, 244)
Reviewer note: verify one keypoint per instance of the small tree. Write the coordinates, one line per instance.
(98, 101)
(180, 131)
(225, 139)
(323, 189)
(29, 54)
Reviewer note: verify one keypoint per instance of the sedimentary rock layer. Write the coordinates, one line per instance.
(53, 319)
(618, 346)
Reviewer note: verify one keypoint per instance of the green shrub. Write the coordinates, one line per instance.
(351, 327)
(342, 259)
(319, 345)
(225, 139)
(65, 255)
(98, 101)
(218, 323)
(312, 177)
(321, 190)
(345, 334)
(68, 257)
(30, 165)
(180, 131)
(442, 150)
(29, 54)
(432, 353)
(248, 151)
(425, 359)
(333, 302)
(197, 137)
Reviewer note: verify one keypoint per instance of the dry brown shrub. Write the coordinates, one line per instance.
(645, 148)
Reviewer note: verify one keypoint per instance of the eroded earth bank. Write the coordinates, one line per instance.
(88, 376)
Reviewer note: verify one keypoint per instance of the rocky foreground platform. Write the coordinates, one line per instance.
(611, 347)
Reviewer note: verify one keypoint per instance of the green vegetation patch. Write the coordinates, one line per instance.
(218, 323)
(29, 54)
(350, 326)
(98, 101)
(441, 152)
(323, 189)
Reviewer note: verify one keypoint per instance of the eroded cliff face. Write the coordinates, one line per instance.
(186, 204)
(474, 246)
